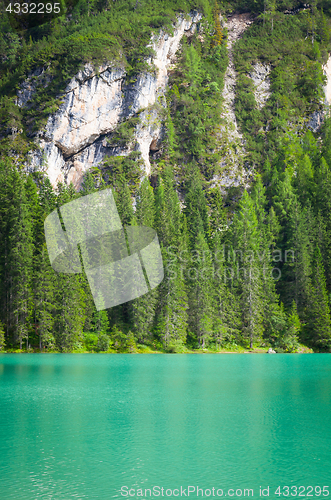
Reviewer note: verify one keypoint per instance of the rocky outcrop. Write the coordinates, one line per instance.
(317, 118)
(236, 26)
(327, 88)
(261, 80)
(233, 172)
(95, 102)
(27, 89)
(149, 133)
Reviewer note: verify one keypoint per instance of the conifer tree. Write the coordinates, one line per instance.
(216, 213)
(20, 245)
(246, 242)
(304, 179)
(171, 312)
(2, 338)
(70, 314)
(47, 196)
(88, 184)
(44, 299)
(326, 148)
(143, 308)
(70, 296)
(297, 266)
(226, 313)
(268, 228)
(295, 244)
(100, 322)
(293, 329)
(322, 204)
(124, 203)
(196, 210)
(318, 322)
(200, 293)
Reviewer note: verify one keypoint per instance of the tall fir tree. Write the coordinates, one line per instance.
(247, 269)
(20, 243)
(171, 312)
(196, 210)
(44, 284)
(200, 281)
(143, 308)
(317, 329)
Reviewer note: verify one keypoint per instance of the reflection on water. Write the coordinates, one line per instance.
(81, 426)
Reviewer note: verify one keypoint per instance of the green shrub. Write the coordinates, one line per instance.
(2, 338)
(103, 342)
(90, 341)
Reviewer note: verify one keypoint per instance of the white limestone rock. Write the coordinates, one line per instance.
(317, 118)
(95, 102)
(327, 88)
(148, 131)
(233, 172)
(261, 80)
(90, 109)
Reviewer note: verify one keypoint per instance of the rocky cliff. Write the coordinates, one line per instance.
(318, 117)
(95, 102)
(76, 137)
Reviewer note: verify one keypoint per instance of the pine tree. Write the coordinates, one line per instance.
(326, 148)
(124, 203)
(246, 242)
(293, 330)
(47, 196)
(100, 328)
(295, 244)
(318, 321)
(268, 229)
(143, 308)
(20, 245)
(171, 312)
(200, 293)
(88, 184)
(216, 213)
(304, 179)
(5, 197)
(100, 322)
(44, 299)
(226, 314)
(297, 269)
(70, 295)
(70, 317)
(322, 204)
(196, 210)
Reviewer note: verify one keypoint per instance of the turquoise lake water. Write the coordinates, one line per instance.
(83, 426)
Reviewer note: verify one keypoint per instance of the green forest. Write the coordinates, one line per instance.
(247, 269)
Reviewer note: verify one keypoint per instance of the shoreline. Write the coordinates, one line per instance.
(302, 350)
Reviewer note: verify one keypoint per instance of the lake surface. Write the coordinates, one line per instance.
(81, 426)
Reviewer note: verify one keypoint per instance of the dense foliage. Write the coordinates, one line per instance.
(249, 268)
